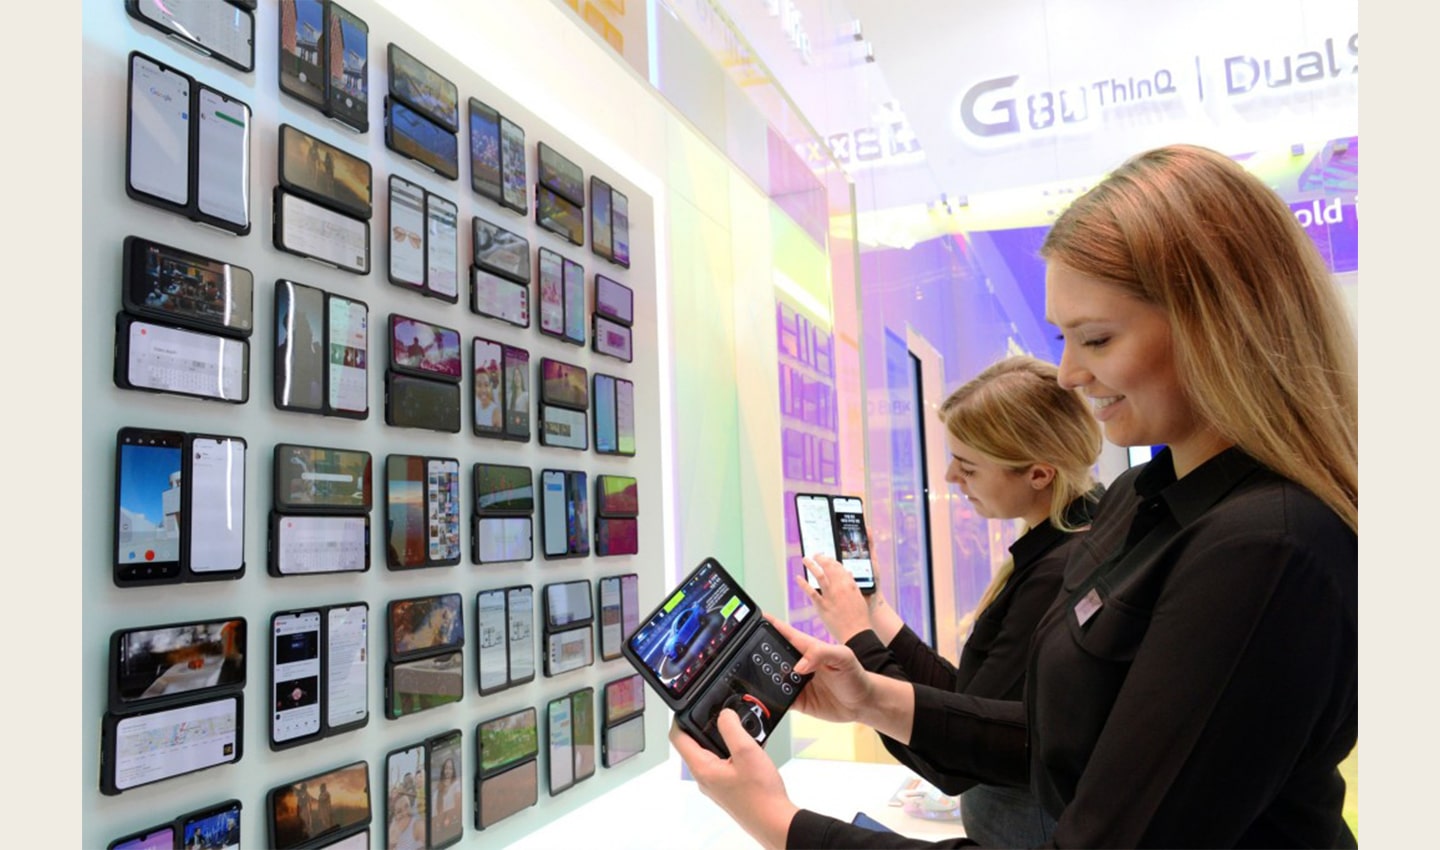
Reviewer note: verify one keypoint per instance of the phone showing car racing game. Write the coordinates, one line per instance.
(707, 648)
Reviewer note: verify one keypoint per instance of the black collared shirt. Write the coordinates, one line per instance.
(993, 658)
(1195, 684)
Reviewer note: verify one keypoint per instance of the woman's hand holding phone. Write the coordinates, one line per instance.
(843, 609)
(747, 785)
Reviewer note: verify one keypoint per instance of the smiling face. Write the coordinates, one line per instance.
(997, 491)
(1118, 353)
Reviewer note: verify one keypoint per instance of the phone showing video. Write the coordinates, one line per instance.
(424, 349)
(405, 798)
(423, 625)
(180, 660)
(617, 536)
(324, 173)
(405, 528)
(500, 251)
(564, 384)
(558, 215)
(424, 89)
(184, 288)
(165, 359)
(349, 68)
(295, 678)
(217, 826)
(484, 150)
(221, 32)
(852, 541)
(411, 134)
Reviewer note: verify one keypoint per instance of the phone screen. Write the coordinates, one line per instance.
(349, 63)
(494, 651)
(624, 740)
(600, 218)
(507, 740)
(560, 174)
(610, 638)
(630, 604)
(224, 156)
(504, 539)
(504, 488)
(296, 676)
(405, 506)
(624, 697)
(324, 172)
(217, 504)
(552, 293)
(614, 300)
(574, 278)
(407, 232)
(520, 612)
(577, 515)
(484, 150)
(500, 251)
(159, 144)
(446, 821)
(619, 495)
(625, 416)
(223, 30)
(817, 535)
(148, 509)
(311, 230)
(322, 478)
(411, 134)
(426, 683)
(508, 793)
(582, 720)
(405, 798)
(422, 403)
(424, 348)
(498, 298)
(613, 339)
(347, 684)
(517, 392)
(442, 493)
(552, 512)
(295, 809)
(156, 838)
(167, 281)
(219, 827)
(321, 544)
(562, 754)
(567, 602)
(302, 50)
(620, 228)
(486, 357)
(169, 742)
(558, 215)
(187, 362)
(300, 346)
(426, 623)
(854, 543)
(694, 629)
(348, 336)
(617, 536)
(182, 659)
(423, 88)
(442, 257)
(606, 440)
(512, 166)
(569, 650)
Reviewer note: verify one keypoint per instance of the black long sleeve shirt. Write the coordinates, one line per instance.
(1194, 685)
(993, 658)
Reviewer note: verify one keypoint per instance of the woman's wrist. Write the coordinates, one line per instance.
(889, 708)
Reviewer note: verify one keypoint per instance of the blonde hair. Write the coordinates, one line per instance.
(1016, 414)
(1262, 344)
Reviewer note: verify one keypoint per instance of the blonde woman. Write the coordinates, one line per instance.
(1195, 684)
(1021, 447)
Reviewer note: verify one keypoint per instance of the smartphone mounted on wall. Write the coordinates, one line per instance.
(507, 778)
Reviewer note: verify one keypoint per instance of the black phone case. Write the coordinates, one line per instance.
(273, 551)
(110, 722)
(400, 368)
(132, 6)
(134, 246)
(865, 588)
(278, 237)
(325, 839)
(333, 202)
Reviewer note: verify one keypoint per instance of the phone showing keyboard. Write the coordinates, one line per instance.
(166, 359)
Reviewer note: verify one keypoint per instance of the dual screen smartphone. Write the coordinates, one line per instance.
(321, 521)
(508, 778)
(423, 793)
(325, 60)
(835, 526)
(505, 624)
(319, 681)
(570, 730)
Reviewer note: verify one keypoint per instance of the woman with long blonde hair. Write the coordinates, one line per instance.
(1021, 447)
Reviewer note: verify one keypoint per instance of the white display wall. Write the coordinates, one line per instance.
(109, 216)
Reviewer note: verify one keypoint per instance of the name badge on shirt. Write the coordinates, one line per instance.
(1087, 606)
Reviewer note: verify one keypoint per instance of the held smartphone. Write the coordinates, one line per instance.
(222, 32)
(165, 359)
(177, 286)
(835, 526)
(708, 647)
